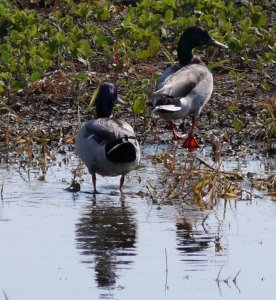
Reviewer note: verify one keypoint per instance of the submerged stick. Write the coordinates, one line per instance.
(235, 278)
(166, 281)
(166, 260)
(218, 279)
(1, 193)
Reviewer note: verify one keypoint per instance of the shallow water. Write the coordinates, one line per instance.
(60, 245)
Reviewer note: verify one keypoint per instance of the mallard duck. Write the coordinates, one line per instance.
(107, 146)
(184, 88)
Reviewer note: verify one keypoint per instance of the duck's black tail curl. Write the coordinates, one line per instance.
(121, 150)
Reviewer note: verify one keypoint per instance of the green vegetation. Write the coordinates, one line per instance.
(32, 42)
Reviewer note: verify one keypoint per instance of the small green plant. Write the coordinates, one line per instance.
(31, 43)
(266, 121)
(236, 122)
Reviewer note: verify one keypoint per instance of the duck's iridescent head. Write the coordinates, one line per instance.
(106, 99)
(193, 37)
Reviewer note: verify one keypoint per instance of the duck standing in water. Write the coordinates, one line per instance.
(184, 88)
(107, 146)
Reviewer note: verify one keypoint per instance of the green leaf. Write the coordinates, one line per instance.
(246, 23)
(237, 125)
(172, 3)
(102, 40)
(269, 56)
(2, 86)
(84, 48)
(60, 37)
(168, 16)
(2, 9)
(155, 20)
(81, 77)
(17, 36)
(218, 64)
(128, 20)
(259, 19)
(234, 43)
(93, 99)
(17, 86)
(154, 45)
(33, 30)
(266, 85)
(105, 15)
(138, 106)
(5, 75)
(256, 9)
(233, 108)
(36, 75)
(143, 54)
(6, 57)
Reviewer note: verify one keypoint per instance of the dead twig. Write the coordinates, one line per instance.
(1, 193)
(166, 281)
(235, 278)
(218, 276)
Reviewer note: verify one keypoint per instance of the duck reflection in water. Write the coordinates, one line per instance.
(106, 235)
(191, 242)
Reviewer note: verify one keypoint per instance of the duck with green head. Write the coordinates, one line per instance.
(106, 145)
(184, 88)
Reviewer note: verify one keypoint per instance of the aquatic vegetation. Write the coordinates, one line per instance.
(192, 179)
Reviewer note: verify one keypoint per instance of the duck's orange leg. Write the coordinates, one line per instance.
(191, 143)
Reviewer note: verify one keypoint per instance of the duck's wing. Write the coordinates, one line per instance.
(182, 82)
(107, 129)
(165, 75)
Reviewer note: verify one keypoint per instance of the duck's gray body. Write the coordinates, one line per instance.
(107, 146)
(184, 92)
(167, 72)
(92, 146)
(184, 88)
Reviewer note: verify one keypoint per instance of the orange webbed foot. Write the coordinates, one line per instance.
(191, 143)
